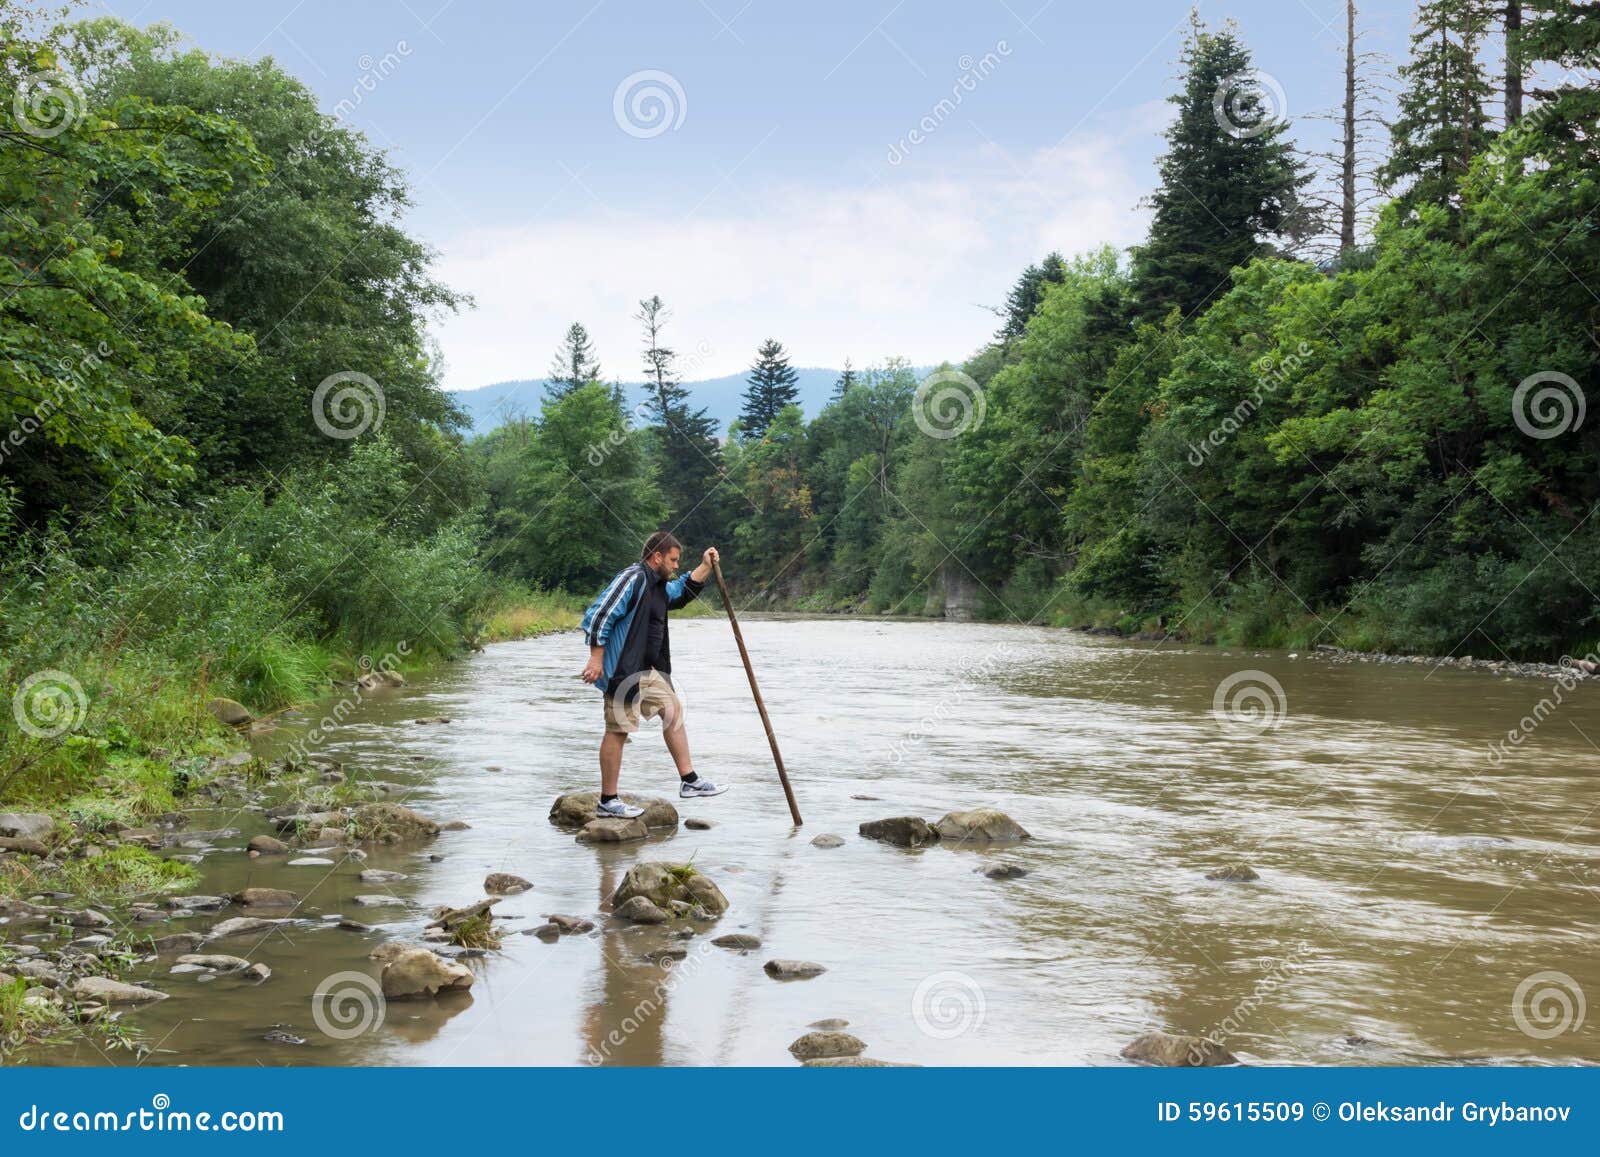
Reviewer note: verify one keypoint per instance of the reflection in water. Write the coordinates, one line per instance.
(1414, 899)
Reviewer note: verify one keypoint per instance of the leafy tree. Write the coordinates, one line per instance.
(574, 365)
(1229, 181)
(771, 388)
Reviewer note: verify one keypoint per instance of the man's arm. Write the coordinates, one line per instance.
(682, 591)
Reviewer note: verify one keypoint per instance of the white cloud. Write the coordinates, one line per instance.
(902, 267)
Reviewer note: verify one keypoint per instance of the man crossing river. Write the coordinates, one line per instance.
(631, 663)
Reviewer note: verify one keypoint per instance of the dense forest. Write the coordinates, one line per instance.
(1294, 414)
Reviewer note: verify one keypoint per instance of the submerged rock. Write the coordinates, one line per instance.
(197, 903)
(420, 972)
(696, 824)
(576, 809)
(902, 831)
(792, 969)
(831, 1024)
(855, 1063)
(1234, 874)
(815, 1045)
(380, 876)
(377, 900)
(570, 924)
(616, 831)
(741, 940)
(1159, 1048)
(178, 942)
(661, 884)
(828, 840)
(504, 884)
(108, 991)
(216, 962)
(545, 932)
(240, 925)
(1003, 871)
(265, 845)
(980, 825)
(266, 898)
(311, 862)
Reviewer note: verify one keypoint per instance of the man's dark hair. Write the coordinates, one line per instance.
(661, 540)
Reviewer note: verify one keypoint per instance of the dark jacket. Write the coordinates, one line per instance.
(619, 621)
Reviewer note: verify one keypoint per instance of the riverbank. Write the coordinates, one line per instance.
(85, 810)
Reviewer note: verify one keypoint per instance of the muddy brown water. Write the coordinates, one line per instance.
(1417, 903)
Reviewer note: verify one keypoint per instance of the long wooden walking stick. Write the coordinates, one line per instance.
(777, 756)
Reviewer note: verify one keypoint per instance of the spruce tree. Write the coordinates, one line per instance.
(1565, 36)
(771, 388)
(1441, 124)
(846, 382)
(1229, 180)
(689, 459)
(1027, 293)
(574, 364)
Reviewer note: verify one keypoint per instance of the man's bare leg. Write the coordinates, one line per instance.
(677, 737)
(611, 761)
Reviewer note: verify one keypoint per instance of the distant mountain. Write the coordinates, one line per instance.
(489, 406)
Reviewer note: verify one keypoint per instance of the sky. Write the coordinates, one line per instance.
(856, 178)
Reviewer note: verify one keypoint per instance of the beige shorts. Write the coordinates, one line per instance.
(651, 696)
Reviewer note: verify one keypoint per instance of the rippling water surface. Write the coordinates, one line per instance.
(1408, 886)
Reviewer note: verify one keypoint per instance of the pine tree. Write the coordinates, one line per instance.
(772, 387)
(1027, 293)
(574, 364)
(1229, 180)
(688, 456)
(1564, 34)
(1441, 124)
(846, 382)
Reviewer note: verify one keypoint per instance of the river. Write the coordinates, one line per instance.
(1418, 902)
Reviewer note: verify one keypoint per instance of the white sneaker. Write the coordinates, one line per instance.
(700, 787)
(616, 810)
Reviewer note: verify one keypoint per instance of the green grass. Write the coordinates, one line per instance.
(520, 613)
(476, 932)
(116, 874)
